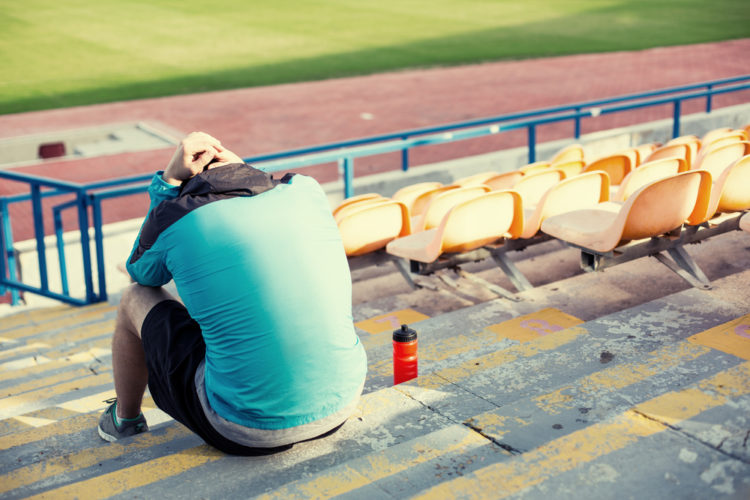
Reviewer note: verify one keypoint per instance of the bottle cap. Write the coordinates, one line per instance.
(404, 334)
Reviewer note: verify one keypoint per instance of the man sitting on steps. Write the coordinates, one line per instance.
(263, 353)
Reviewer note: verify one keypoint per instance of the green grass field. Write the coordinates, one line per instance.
(73, 52)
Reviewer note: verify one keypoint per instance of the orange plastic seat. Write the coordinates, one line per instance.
(533, 187)
(506, 180)
(671, 151)
(653, 210)
(644, 150)
(474, 180)
(582, 191)
(441, 203)
(468, 225)
(692, 141)
(356, 199)
(421, 202)
(726, 138)
(716, 159)
(617, 167)
(731, 189)
(632, 153)
(408, 194)
(535, 167)
(647, 173)
(368, 227)
(709, 136)
(568, 153)
(570, 168)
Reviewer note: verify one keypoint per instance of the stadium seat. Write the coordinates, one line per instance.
(533, 187)
(368, 227)
(693, 142)
(423, 200)
(670, 151)
(646, 173)
(568, 153)
(408, 194)
(574, 193)
(726, 138)
(644, 150)
(617, 167)
(506, 180)
(466, 226)
(731, 189)
(474, 180)
(653, 210)
(535, 167)
(441, 203)
(713, 134)
(569, 168)
(632, 153)
(355, 200)
(717, 158)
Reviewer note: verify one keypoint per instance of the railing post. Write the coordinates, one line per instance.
(83, 225)
(405, 156)
(532, 143)
(8, 254)
(578, 122)
(57, 218)
(709, 87)
(99, 243)
(41, 251)
(676, 119)
(348, 163)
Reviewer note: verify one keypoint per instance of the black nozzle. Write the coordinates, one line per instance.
(404, 334)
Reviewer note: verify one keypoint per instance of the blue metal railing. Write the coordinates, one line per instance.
(87, 198)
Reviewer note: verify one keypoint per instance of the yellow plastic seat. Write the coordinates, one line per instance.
(533, 187)
(467, 226)
(569, 168)
(647, 173)
(535, 167)
(713, 134)
(653, 210)
(367, 197)
(729, 137)
(617, 167)
(716, 159)
(474, 180)
(672, 151)
(568, 153)
(421, 202)
(506, 180)
(693, 142)
(632, 153)
(368, 227)
(731, 189)
(582, 191)
(408, 194)
(644, 150)
(443, 202)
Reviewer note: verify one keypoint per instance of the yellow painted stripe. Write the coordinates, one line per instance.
(72, 462)
(34, 421)
(468, 368)
(12, 405)
(35, 316)
(80, 333)
(72, 318)
(732, 337)
(390, 321)
(41, 364)
(373, 467)
(532, 326)
(52, 380)
(619, 376)
(581, 447)
(102, 343)
(136, 476)
(15, 351)
(8, 369)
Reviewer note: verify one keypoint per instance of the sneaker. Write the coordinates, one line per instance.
(111, 431)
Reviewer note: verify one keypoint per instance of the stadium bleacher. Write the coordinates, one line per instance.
(581, 382)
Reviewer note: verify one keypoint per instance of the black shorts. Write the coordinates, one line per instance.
(174, 348)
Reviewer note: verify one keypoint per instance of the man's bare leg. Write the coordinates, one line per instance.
(128, 359)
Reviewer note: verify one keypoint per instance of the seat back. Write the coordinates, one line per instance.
(422, 201)
(716, 159)
(570, 168)
(670, 151)
(446, 200)
(481, 221)
(532, 187)
(713, 134)
(408, 194)
(647, 173)
(568, 153)
(474, 180)
(356, 199)
(506, 180)
(369, 227)
(644, 150)
(575, 193)
(664, 205)
(731, 190)
(726, 138)
(617, 167)
(532, 168)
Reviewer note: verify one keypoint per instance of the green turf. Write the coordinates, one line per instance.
(59, 53)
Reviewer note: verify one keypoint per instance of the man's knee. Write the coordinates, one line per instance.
(136, 302)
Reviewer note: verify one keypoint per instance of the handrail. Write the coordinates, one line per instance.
(89, 196)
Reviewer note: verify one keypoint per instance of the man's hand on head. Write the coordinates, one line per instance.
(193, 154)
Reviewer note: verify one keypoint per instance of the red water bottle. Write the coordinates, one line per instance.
(404, 355)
